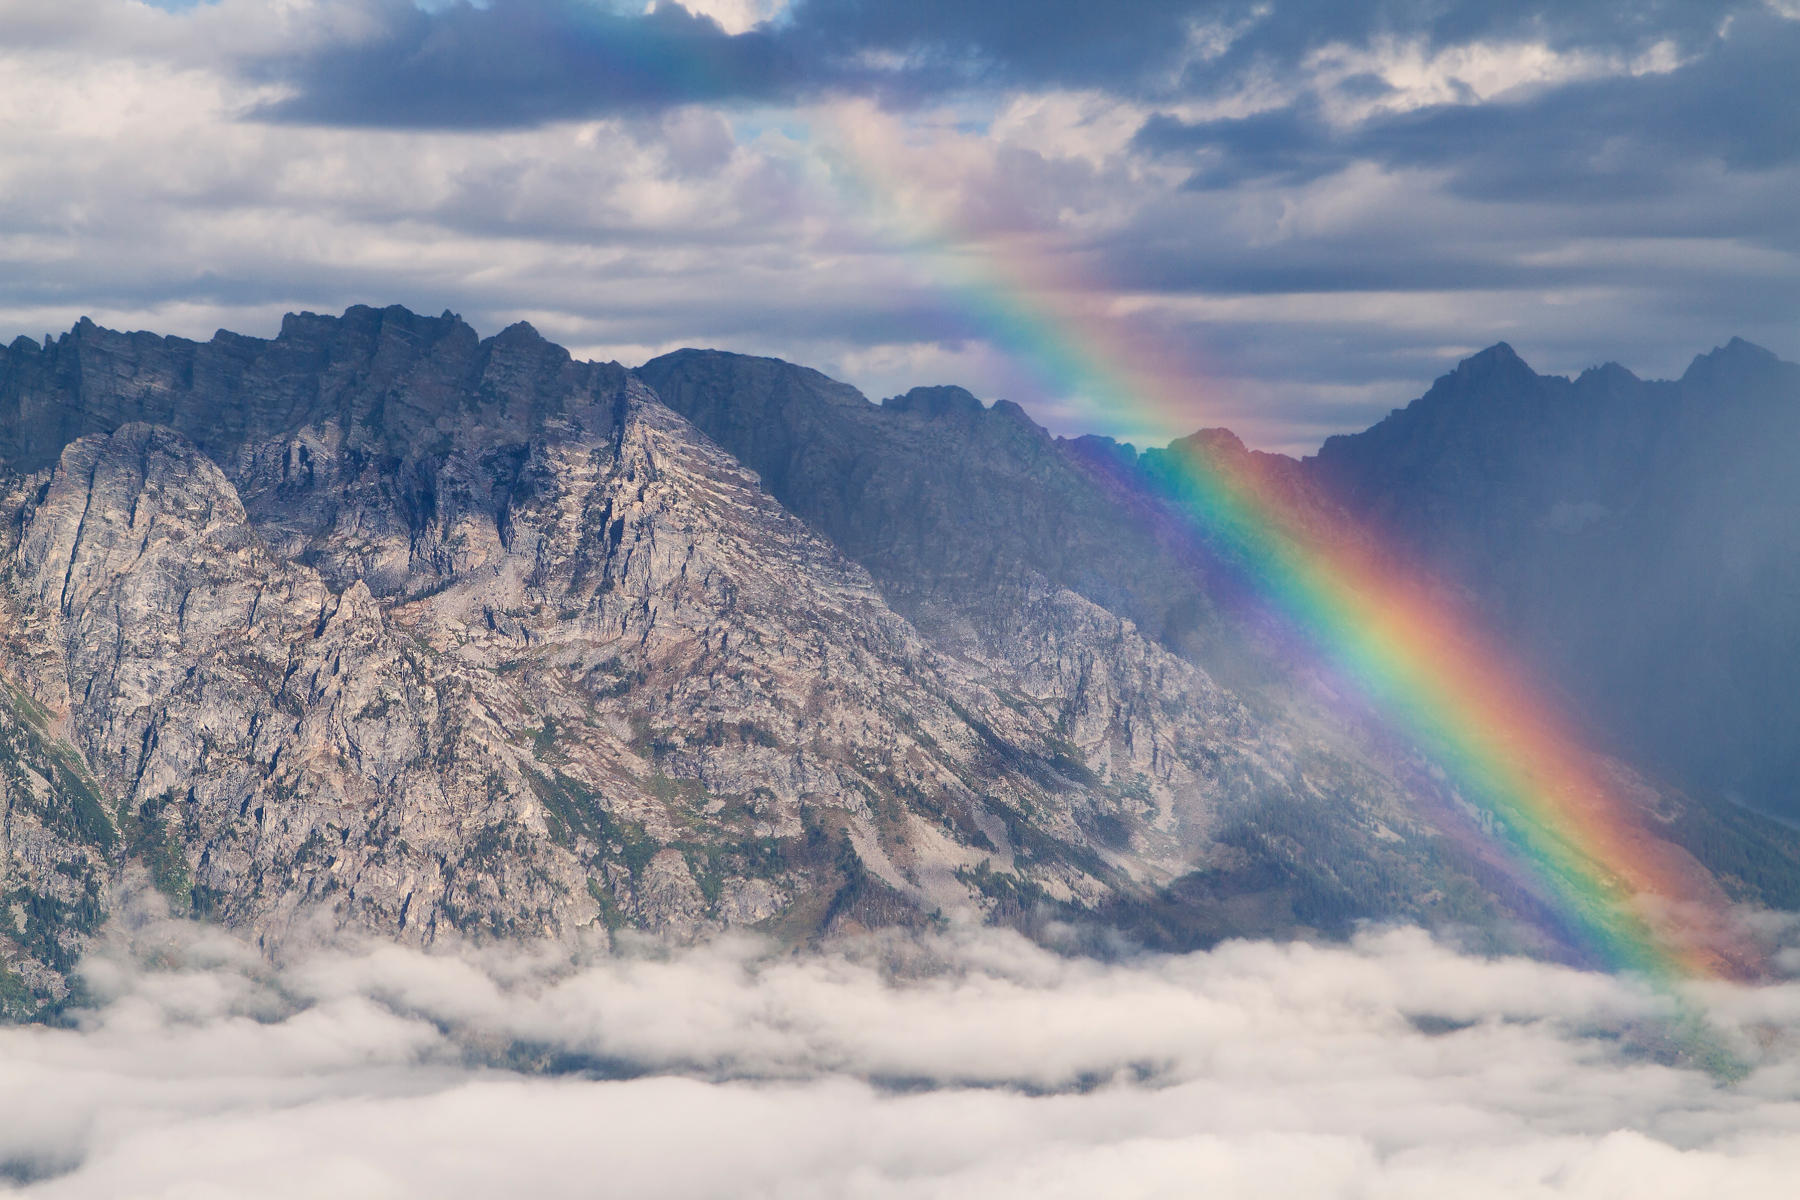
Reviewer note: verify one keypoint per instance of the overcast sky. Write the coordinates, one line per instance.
(1307, 208)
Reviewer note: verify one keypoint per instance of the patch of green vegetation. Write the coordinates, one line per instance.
(1068, 760)
(1755, 857)
(760, 858)
(648, 741)
(1033, 845)
(436, 587)
(1056, 771)
(375, 709)
(26, 708)
(1017, 703)
(1110, 830)
(672, 790)
(613, 690)
(543, 739)
(862, 897)
(311, 848)
(1135, 791)
(74, 808)
(636, 848)
(150, 841)
(610, 914)
(1015, 897)
(1323, 861)
(16, 1000)
(892, 797)
(490, 844)
(707, 865)
(581, 812)
(48, 927)
(745, 733)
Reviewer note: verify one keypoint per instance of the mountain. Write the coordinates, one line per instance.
(379, 625)
(1638, 542)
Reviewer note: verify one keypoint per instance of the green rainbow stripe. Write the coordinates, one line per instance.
(1636, 901)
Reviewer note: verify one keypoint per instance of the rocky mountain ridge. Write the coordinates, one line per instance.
(380, 625)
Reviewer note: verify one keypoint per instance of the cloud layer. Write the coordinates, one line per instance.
(1304, 211)
(970, 1063)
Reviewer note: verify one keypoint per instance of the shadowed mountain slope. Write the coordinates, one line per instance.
(1638, 542)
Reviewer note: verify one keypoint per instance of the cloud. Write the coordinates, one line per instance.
(970, 1062)
(525, 62)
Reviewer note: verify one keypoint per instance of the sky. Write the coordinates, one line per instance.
(1303, 209)
(964, 1063)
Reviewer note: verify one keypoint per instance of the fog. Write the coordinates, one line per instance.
(961, 1063)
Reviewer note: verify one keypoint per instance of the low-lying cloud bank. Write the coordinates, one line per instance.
(967, 1063)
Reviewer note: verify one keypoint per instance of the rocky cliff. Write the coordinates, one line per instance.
(383, 626)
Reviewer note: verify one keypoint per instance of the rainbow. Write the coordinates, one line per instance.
(1558, 812)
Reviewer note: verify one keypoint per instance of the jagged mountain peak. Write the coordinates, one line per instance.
(1497, 366)
(937, 401)
(750, 374)
(1736, 360)
(390, 382)
(1499, 352)
(1213, 440)
(521, 333)
(366, 317)
(1610, 375)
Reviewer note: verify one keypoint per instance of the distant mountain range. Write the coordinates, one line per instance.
(381, 625)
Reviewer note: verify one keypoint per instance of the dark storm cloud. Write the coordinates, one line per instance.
(523, 62)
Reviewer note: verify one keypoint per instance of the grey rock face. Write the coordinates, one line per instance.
(379, 625)
(954, 508)
(602, 678)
